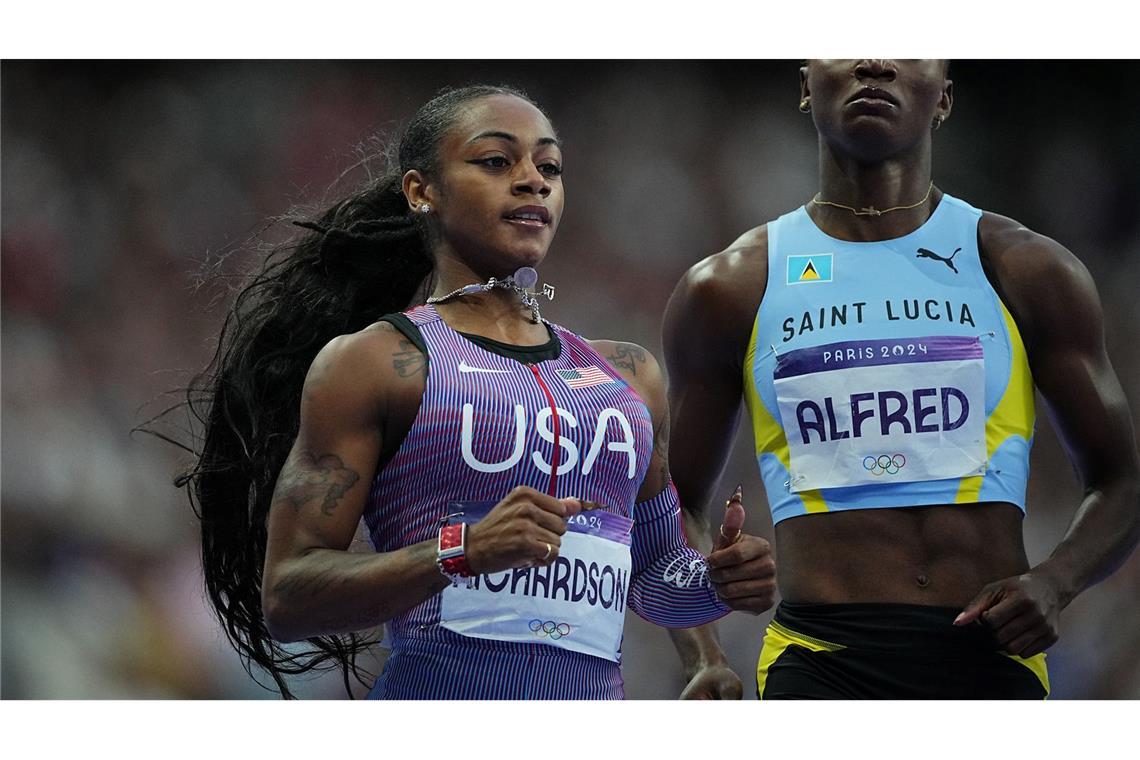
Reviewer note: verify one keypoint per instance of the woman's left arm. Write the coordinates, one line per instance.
(673, 585)
(1055, 304)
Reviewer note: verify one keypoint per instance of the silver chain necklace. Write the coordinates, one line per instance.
(522, 282)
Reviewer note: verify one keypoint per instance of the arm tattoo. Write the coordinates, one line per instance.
(310, 476)
(311, 584)
(627, 356)
(409, 360)
(329, 569)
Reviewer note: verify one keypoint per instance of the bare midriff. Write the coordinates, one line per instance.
(935, 555)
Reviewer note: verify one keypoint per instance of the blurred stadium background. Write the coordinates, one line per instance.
(120, 179)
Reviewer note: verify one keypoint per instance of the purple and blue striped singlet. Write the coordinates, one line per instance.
(568, 426)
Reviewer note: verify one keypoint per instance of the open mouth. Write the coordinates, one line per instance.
(529, 216)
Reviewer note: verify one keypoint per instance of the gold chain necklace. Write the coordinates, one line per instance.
(871, 210)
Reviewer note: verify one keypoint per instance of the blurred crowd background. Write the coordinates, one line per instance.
(124, 184)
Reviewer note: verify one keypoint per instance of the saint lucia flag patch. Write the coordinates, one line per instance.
(815, 267)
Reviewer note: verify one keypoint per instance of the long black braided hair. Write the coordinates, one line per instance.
(365, 256)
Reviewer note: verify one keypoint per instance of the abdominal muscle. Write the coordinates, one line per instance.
(935, 555)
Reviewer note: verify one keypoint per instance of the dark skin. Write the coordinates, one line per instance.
(876, 151)
(363, 391)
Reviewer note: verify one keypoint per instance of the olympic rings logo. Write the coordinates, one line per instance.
(884, 463)
(549, 628)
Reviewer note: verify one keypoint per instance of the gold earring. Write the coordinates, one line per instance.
(805, 105)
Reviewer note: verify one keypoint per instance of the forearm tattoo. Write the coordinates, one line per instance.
(309, 477)
(309, 584)
(627, 356)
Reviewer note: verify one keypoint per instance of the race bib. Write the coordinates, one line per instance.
(577, 603)
(883, 411)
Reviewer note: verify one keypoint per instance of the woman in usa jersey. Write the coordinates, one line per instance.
(511, 474)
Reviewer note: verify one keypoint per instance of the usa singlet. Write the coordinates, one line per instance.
(888, 373)
(564, 423)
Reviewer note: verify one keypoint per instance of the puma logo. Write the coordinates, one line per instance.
(923, 253)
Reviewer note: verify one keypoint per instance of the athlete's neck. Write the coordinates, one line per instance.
(498, 314)
(901, 180)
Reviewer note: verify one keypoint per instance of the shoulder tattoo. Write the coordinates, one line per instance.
(627, 356)
(408, 360)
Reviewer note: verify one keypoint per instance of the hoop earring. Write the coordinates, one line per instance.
(805, 105)
(938, 122)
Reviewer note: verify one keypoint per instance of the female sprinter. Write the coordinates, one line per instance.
(886, 339)
(513, 482)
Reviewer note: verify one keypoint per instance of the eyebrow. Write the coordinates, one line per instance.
(511, 138)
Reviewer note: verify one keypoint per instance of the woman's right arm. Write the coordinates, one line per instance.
(311, 584)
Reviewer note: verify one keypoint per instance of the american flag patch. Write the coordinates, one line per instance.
(584, 377)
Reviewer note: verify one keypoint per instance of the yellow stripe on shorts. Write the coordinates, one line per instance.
(1036, 663)
(778, 638)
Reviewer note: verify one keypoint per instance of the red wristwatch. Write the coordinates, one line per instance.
(451, 555)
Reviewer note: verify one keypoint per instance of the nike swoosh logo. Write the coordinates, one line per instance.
(464, 367)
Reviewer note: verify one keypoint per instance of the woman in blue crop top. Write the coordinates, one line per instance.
(852, 329)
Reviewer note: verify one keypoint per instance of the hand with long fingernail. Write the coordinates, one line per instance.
(732, 524)
(741, 567)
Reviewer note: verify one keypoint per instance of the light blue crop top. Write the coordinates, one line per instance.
(888, 373)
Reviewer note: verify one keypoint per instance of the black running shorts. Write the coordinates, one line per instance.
(889, 651)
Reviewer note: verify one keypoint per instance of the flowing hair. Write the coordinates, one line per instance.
(364, 256)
